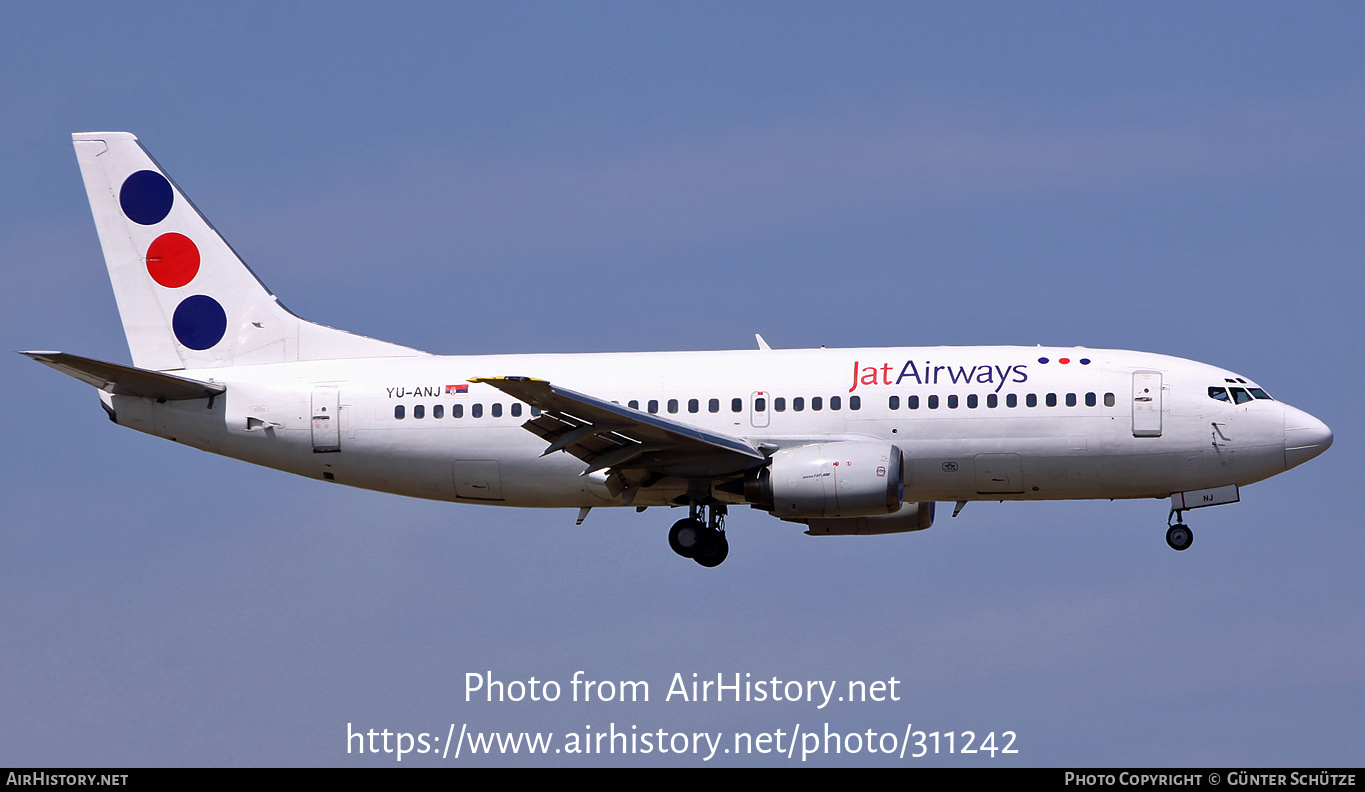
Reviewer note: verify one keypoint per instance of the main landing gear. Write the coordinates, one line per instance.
(1178, 536)
(701, 541)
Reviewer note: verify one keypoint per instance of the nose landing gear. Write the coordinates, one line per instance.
(1178, 535)
(703, 542)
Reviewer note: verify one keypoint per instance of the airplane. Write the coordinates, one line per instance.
(858, 441)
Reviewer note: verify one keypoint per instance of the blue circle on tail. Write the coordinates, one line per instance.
(199, 322)
(146, 197)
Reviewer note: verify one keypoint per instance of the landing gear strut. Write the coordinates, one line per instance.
(701, 541)
(1178, 536)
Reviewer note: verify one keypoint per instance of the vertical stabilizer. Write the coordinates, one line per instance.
(186, 299)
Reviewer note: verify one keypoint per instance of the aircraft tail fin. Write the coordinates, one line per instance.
(186, 299)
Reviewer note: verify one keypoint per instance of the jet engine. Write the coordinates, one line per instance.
(847, 478)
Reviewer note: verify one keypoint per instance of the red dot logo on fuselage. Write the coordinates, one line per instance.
(199, 321)
(1064, 361)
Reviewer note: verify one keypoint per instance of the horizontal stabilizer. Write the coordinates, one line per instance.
(125, 380)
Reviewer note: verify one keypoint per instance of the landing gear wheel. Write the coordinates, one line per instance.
(1179, 537)
(687, 537)
(714, 555)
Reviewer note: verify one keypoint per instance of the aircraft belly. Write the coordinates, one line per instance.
(468, 466)
(1057, 468)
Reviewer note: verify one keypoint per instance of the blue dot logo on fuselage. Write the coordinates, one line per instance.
(146, 197)
(199, 322)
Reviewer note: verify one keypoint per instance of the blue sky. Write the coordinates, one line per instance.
(528, 177)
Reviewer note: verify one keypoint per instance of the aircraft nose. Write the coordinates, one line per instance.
(1304, 437)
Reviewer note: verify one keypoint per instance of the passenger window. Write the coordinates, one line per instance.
(1108, 400)
(398, 411)
(516, 410)
(971, 401)
(419, 411)
(933, 402)
(1240, 395)
(798, 403)
(672, 405)
(1219, 394)
(713, 406)
(497, 410)
(855, 402)
(835, 403)
(1031, 400)
(1052, 400)
(1011, 400)
(653, 406)
(736, 405)
(1071, 400)
(780, 404)
(457, 411)
(992, 401)
(1090, 400)
(760, 404)
(476, 411)
(952, 402)
(912, 402)
(633, 404)
(438, 411)
(816, 403)
(693, 406)
(894, 402)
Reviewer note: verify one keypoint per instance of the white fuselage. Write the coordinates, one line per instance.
(974, 423)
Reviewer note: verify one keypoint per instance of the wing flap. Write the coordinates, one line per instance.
(606, 435)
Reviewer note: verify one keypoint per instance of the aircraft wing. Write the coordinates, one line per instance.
(610, 437)
(126, 380)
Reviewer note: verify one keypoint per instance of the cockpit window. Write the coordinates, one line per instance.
(1237, 395)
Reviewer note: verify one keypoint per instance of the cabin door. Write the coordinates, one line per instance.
(1146, 404)
(326, 420)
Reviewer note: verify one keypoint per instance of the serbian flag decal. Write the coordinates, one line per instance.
(452, 390)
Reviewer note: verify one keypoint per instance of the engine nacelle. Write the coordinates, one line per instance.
(909, 517)
(847, 478)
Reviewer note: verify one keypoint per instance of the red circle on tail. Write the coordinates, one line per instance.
(173, 260)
